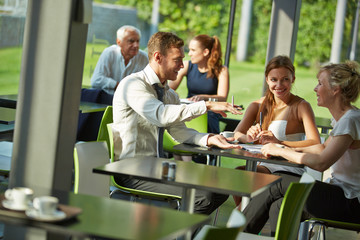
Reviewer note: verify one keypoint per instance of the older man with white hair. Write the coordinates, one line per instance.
(119, 60)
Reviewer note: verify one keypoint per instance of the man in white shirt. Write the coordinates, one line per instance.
(120, 60)
(138, 114)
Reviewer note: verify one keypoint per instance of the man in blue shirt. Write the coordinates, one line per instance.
(119, 60)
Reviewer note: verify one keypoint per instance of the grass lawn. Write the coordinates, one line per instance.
(246, 79)
(246, 82)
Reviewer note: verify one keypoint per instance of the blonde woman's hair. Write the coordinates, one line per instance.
(346, 76)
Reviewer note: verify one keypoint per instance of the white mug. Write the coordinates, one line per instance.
(19, 196)
(46, 205)
(227, 134)
(213, 100)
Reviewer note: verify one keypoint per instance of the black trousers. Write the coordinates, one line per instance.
(205, 202)
(325, 201)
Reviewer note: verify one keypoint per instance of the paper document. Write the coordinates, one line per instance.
(254, 148)
(185, 100)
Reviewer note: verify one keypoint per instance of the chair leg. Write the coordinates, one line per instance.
(216, 216)
(304, 231)
(322, 230)
(112, 193)
(320, 235)
(311, 230)
(178, 205)
(207, 159)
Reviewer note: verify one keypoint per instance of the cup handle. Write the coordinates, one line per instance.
(8, 194)
(36, 203)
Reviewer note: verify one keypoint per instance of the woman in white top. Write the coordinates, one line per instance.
(338, 86)
(286, 118)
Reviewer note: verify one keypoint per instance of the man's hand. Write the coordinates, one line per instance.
(221, 142)
(222, 107)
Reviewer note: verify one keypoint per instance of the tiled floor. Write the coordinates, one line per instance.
(331, 233)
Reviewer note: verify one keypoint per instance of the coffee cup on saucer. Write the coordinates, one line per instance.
(227, 134)
(18, 198)
(46, 205)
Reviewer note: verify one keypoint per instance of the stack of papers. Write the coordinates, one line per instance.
(254, 148)
(185, 100)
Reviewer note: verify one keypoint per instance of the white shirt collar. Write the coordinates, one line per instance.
(152, 78)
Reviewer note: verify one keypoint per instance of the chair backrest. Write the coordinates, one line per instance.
(169, 142)
(234, 225)
(135, 192)
(111, 150)
(88, 123)
(292, 207)
(88, 155)
(103, 134)
(200, 123)
(111, 141)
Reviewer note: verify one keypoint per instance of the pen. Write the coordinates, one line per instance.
(260, 119)
(232, 100)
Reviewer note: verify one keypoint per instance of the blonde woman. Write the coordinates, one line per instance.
(338, 86)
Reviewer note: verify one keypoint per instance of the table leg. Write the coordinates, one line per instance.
(250, 166)
(218, 161)
(244, 202)
(188, 200)
(213, 162)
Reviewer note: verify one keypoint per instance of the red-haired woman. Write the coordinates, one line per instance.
(206, 76)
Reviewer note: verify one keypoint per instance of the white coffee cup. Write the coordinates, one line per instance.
(213, 100)
(46, 205)
(19, 196)
(227, 134)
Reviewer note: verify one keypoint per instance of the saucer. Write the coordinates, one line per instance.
(34, 214)
(10, 205)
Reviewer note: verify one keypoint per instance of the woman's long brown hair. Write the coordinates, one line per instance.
(267, 106)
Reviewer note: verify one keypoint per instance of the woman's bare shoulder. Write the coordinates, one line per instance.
(258, 101)
(255, 105)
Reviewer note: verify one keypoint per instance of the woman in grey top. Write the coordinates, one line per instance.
(338, 86)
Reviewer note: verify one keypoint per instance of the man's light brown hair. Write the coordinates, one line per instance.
(162, 41)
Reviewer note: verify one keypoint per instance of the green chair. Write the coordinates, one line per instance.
(105, 134)
(199, 124)
(234, 225)
(134, 193)
(309, 225)
(88, 155)
(169, 143)
(290, 212)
